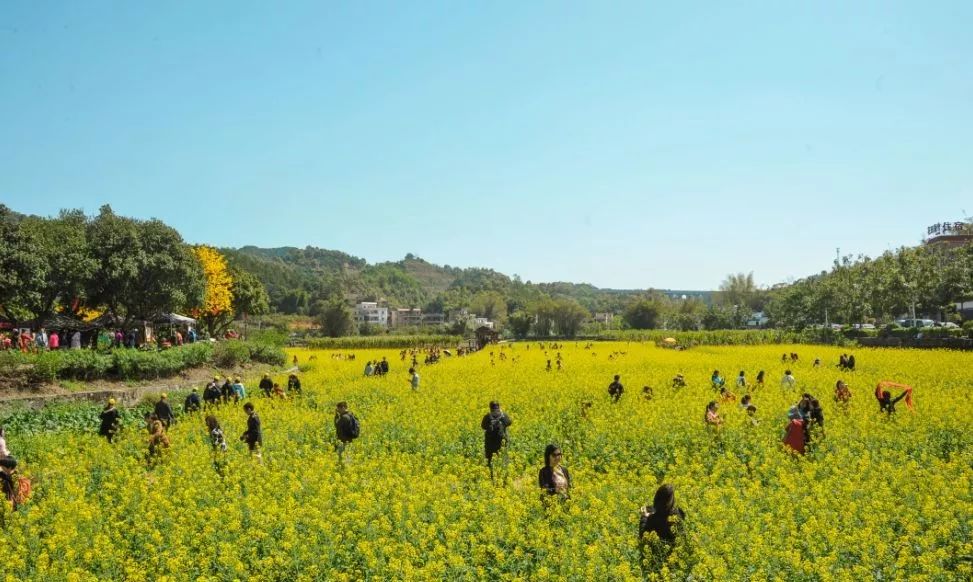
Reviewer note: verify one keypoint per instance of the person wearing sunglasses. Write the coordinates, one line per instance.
(554, 478)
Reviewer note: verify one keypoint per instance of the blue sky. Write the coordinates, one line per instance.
(621, 144)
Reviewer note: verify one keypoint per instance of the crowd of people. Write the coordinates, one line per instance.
(42, 340)
(804, 427)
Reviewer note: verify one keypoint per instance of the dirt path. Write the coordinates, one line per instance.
(126, 393)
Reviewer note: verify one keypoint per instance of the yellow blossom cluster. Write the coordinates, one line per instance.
(875, 497)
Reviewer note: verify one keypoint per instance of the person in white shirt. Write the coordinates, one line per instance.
(788, 381)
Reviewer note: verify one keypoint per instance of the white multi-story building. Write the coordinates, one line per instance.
(370, 312)
(479, 322)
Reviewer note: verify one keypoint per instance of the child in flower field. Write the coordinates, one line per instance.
(553, 478)
(217, 439)
(253, 436)
(712, 417)
(158, 439)
(842, 394)
(760, 378)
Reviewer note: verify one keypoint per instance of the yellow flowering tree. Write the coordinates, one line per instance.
(217, 310)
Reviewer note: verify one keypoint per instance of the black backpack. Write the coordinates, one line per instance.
(496, 428)
(354, 429)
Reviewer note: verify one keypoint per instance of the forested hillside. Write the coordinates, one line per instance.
(299, 279)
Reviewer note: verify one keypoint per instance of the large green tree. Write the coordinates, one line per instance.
(144, 267)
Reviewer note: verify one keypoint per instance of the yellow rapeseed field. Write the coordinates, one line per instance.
(876, 498)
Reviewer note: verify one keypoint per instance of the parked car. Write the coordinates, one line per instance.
(915, 322)
(864, 326)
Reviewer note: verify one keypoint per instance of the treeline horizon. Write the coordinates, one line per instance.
(138, 268)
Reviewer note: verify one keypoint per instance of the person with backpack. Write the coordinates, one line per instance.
(253, 436)
(110, 420)
(164, 411)
(615, 389)
(346, 428)
(267, 385)
(211, 394)
(494, 425)
(192, 403)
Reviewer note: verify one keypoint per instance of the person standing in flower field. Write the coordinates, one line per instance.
(760, 378)
(414, 379)
(14, 490)
(253, 436)
(293, 384)
(788, 381)
(717, 381)
(712, 417)
(266, 385)
(842, 393)
(110, 420)
(661, 516)
(795, 436)
(742, 380)
(192, 403)
(554, 478)
(211, 394)
(885, 401)
(494, 425)
(163, 411)
(158, 439)
(216, 436)
(346, 428)
(615, 389)
(239, 392)
(226, 390)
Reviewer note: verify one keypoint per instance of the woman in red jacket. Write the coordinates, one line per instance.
(794, 433)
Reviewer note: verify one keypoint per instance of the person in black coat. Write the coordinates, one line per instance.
(294, 384)
(8, 487)
(554, 478)
(110, 420)
(253, 436)
(192, 403)
(211, 394)
(662, 517)
(494, 425)
(267, 385)
(164, 411)
(615, 389)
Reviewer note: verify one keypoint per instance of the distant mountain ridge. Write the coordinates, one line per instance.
(297, 278)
